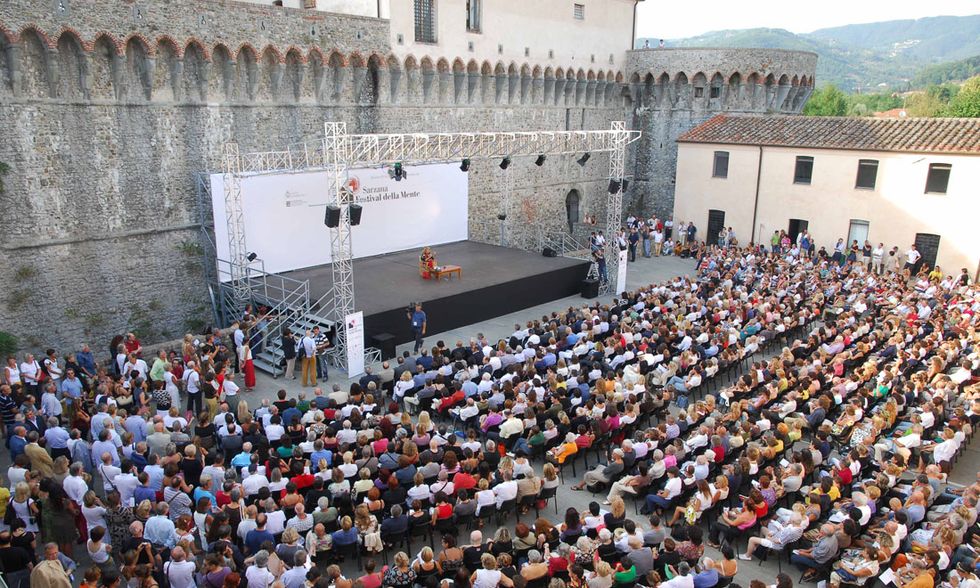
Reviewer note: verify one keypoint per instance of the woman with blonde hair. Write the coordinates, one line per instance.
(616, 516)
(549, 476)
(24, 506)
(425, 566)
(602, 577)
(400, 574)
(242, 413)
(367, 527)
(488, 576)
(425, 421)
(403, 385)
(59, 470)
(289, 545)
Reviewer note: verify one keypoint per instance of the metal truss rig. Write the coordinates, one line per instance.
(338, 151)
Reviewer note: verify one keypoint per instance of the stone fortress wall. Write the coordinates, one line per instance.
(109, 111)
(673, 90)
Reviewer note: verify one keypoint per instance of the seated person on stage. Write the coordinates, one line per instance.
(427, 263)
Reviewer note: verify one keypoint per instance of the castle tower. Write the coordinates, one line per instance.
(673, 90)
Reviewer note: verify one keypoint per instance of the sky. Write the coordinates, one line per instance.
(672, 20)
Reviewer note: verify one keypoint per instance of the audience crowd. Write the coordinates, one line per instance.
(778, 404)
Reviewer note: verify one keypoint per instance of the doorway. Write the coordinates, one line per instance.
(716, 222)
(572, 200)
(928, 246)
(797, 226)
(858, 231)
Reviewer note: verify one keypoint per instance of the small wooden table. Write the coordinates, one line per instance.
(448, 271)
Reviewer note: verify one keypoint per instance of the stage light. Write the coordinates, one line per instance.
(582, 160)
(502, 216)
(464, 166)
(540, 160)
(626, 184)
(252, 256)
(399, 172)
(355, 214)
(614, 186)
(505, 162)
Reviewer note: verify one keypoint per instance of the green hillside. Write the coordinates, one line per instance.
(954, 71)
(864, 57)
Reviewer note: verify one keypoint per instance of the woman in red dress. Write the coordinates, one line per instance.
(248, 366)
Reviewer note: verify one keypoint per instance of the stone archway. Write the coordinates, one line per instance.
(573, 201)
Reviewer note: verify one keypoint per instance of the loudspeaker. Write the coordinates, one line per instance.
(549, 252)
(331, 217)
(385, 342)
(355, 214)
(590, 288)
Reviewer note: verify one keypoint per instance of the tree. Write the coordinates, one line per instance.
(923, 104)
(966, 103)
(827, 101)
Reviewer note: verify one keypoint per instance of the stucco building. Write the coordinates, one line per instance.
(891, 181)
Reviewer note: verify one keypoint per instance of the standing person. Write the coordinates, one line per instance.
(51, 367)
(876, 259)
(658, 242)
(692, 232)
(634, 240)
(912, 258)
(230, 390)
(30, 374)
(309, 359)
(237, 338)
(322, 342)
(668, 228)
(646, 234)
(288, 346)
(247, 365)
(893, 263)
(600, 261)
(866, 253)
(418, 319)
(192, 384)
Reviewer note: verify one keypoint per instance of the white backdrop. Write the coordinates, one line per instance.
(284, 213)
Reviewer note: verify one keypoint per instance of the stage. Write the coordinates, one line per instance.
(495, 281)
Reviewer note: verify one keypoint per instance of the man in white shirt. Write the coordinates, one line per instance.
(511, 426)
(254, 482)
(682, 579)
(347, 435)
(126, 482)
(108, 473)
(192, 384)
(672, 489)
(506, 490)
(912, 257)
(230, 390)
(75, 485)
(178, 570)
(258, 574)
(136, 364)
(309, 359)
(946, 449)
(275, 521)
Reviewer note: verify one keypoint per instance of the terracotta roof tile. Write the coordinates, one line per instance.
(931, 135)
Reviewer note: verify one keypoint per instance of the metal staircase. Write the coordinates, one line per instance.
(566, 245)
(288, 301)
